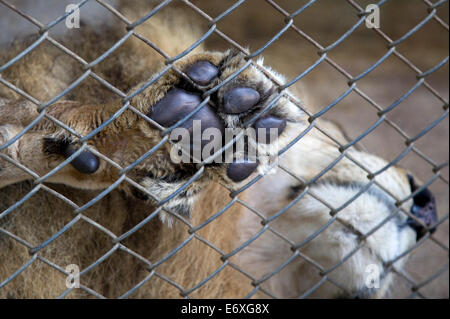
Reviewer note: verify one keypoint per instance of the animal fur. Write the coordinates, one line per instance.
(47, 71)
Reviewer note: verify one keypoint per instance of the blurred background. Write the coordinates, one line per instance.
(255, 22)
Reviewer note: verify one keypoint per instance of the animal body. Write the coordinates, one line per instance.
(176, 244)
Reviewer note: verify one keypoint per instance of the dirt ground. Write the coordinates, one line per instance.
(255, 22)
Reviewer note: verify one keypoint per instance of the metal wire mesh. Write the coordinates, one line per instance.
(359, 18)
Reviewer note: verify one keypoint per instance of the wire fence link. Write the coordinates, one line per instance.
(359, 17)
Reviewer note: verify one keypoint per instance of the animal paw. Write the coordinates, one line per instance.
(226, 115)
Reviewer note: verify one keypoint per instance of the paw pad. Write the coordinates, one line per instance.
(202, 72)
(85, 162)
(267, 123)
(240, 170)
(229, 109)
(239, 100)
(177, 104)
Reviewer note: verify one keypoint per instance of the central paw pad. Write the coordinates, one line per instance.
(177, 104)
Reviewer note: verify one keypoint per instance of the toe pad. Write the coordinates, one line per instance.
(85, 162)
(202, 72)
(239, 100)
(238, 171)
(266, 124)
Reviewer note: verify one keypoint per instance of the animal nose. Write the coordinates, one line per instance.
(424, 208)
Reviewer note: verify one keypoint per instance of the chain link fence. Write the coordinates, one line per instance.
(394, 50)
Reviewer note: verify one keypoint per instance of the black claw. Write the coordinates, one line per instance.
(267, 123)
(202, 72)
(239, 100)
(238, 171)
(85, 162)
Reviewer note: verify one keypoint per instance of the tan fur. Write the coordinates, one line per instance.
(47, 71)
